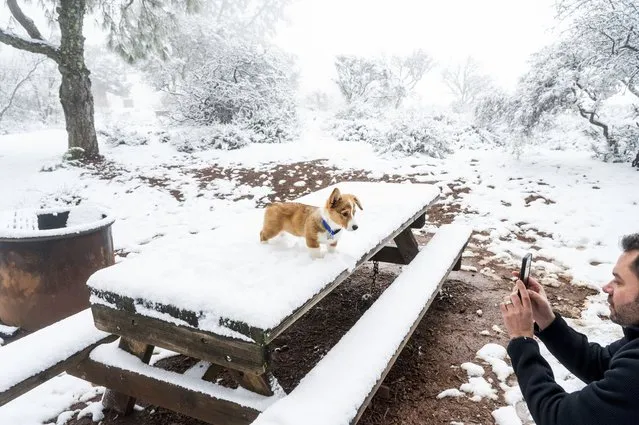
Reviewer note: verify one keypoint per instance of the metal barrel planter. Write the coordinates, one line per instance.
(46, 257)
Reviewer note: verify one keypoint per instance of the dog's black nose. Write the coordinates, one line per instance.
(355, 226)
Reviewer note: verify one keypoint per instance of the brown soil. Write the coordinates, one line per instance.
(448, 335)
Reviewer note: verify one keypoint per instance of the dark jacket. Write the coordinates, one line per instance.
(611, 373)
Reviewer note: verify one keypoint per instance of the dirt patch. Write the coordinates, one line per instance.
(532, 198)
(289, 181)
(449, 334)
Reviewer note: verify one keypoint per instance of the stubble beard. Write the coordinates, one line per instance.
(625, 315)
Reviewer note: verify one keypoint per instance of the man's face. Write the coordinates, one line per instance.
(623, 291)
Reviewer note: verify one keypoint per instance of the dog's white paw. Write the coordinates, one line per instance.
(331, 249)
(315, 253)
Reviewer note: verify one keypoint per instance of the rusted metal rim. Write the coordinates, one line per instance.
(29, 225)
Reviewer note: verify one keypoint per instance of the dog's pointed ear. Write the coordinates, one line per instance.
(357, 202)
(335, 196)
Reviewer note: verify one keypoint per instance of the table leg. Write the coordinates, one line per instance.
(121, 402)
(212, 373)
(458, 264)
(407, 245)
(260, 384)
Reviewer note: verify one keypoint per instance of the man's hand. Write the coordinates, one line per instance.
(541, 309)
(517, 313)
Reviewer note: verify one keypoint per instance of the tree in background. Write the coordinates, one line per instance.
(380, 81)
(108, 74)
(240, 83)
(134, 29)
(196, 36)
(561, 78)
(33, 99)
(404, 73)
(12, 80)
(610, 29)
(596, 60)
(230, 74)
(466, 82)
(359, 79)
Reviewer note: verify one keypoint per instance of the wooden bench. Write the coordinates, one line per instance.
(340, 387)
(40, 356)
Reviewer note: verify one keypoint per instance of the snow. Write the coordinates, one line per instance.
(243, 268)
(62, 339)
(479, 388)
(577, 229)
(473, 369)
(363, 353)
(8, 330)
(506, 416)
(23, 223)
(44, 402)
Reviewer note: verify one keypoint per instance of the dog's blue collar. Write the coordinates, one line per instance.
(330, 231)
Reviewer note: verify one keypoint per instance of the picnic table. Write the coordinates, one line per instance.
(223, 297)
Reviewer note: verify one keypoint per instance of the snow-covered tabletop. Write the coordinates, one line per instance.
(226, 276)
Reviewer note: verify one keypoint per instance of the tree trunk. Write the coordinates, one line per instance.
(610, 139)
(75, 89)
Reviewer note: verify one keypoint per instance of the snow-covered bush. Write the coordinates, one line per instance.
(221, 136)
(117, 136)
(272, 126)
(241, 83)
(408, 132)
(417, 136)
(358, 130)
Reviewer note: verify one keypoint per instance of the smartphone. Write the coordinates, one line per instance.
(524, 273)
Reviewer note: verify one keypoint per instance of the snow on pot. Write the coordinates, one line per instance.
(46, 257)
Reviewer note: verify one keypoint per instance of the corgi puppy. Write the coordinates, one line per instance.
(316, 225)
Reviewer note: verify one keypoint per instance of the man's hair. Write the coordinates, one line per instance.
(631, 243)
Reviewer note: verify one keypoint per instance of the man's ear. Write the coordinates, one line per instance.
(357, 202)
(335, 196)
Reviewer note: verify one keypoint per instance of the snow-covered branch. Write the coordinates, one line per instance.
(30, 45)
(26, 22)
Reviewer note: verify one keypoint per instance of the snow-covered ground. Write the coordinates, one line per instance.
(576, 208)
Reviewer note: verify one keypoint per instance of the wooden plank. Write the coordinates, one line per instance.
(270, 335)
(51, 372)
(160, 393)
(390, 364)
(118, 401)
(232, 353)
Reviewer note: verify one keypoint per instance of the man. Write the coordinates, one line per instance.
(611, 373)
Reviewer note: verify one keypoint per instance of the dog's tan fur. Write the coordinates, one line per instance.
(306, 221)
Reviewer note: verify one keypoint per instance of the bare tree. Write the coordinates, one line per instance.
(406, 72)
(18, 85)
(358, 78)
(380, 81)
(466, 82)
